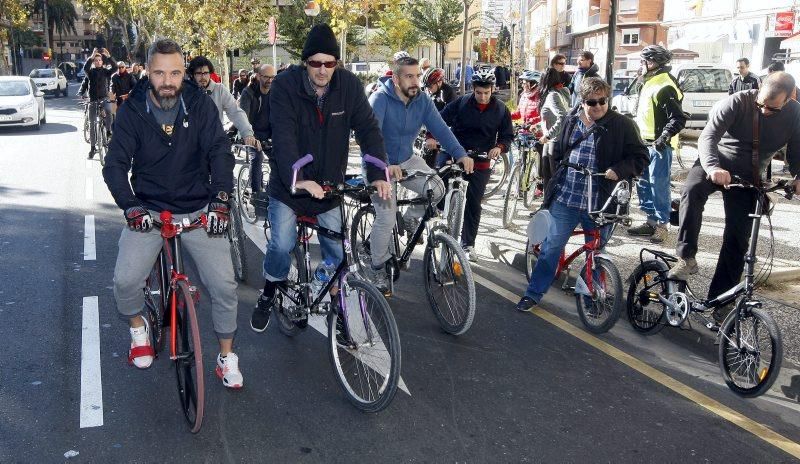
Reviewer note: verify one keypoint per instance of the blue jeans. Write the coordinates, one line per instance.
(283, 225)
(653, 187)
(564, 221)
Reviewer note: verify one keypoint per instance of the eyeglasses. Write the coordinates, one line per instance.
(600, 101)
(762, 106)
(269, 78)
(560, 63)
(198, 73)
(319, 64)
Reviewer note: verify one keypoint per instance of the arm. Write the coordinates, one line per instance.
(435, 124)
(284, 121)
(721, 117)
(246, 102)
(115, 84)
(676, 118)
(730, 87)
(218, 149)
(235, 114)
(118, 161)
(88, 65)
(560, 109)
(364, 123)
(793, 151)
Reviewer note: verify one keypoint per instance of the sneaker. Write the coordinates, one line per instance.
(683, 269)
(379, 278)
(719, 314)
(471, 255)
(525, 304)
(660, 235)
(259, 321)
(141, 353)
(91, 153)
(644, 230)
(228, 371)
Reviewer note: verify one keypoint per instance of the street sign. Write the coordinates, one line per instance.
(273, 30)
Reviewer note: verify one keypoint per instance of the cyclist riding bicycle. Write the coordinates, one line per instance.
(122, 83)
(170, 138)
(402, 110)
(314, 108)
(480, 123)
(99, 68)
(605, 142)
(255, 103)
(440, 91)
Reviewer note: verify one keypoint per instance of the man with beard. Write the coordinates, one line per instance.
(255, 103)
(169, 137)
(586, 68)
(240, 83)
(122, 83)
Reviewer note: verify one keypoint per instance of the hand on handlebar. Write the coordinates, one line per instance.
(384, 189)
(468, 164)
(312, 188)
(138, 219)
(494, 152)
(720, 177)
(396, 172)
(251, 141)
(611, 175)
(431, 144)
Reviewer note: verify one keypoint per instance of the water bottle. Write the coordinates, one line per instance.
(322, 275)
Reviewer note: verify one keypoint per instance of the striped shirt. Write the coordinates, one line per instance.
(573, 191)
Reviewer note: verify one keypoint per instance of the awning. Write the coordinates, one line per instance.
(791, 42)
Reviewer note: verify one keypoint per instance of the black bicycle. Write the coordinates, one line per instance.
(750, 344)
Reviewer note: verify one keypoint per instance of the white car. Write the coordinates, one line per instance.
(50, 81)
(21, 103)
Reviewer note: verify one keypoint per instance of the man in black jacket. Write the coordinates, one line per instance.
(255, 103)
(122, 83)
(313, 108)
(170, 137)
(99, 68)
(602, 140)
(481, 123)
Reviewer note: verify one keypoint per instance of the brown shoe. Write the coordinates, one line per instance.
(660, 234)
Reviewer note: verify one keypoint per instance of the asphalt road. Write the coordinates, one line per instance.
(515, 388)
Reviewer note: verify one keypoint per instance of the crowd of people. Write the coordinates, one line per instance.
(169, 134)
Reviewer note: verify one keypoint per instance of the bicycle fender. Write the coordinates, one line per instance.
(604, 255)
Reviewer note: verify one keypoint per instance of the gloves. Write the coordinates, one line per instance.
(218, 217)
(661, 143)
(138, 219)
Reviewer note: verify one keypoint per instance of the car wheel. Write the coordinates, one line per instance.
(64, 92)
(44, 117)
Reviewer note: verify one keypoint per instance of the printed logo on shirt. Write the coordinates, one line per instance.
(167, 128)
(338, 113)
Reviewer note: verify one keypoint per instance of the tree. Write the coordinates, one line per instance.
(13, 17)
(61, 17)
(293, 26)
(437, 21)
(503, 40)
(468, 18)
(396, 30)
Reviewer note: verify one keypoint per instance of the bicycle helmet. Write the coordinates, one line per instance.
(401, 54)
(530, 76)
(432, 76)
(483, 77)
(656, 54)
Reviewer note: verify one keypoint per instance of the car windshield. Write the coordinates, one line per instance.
(622, 83)
(704, 80)
(43, 73)
(14, 89)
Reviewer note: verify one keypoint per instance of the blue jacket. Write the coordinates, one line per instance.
(401, 123)
(181, 173)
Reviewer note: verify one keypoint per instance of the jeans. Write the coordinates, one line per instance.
(283, 225)
(92, 112)
(653, 187)
(564, 221)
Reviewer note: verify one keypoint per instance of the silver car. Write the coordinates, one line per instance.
(21, 103)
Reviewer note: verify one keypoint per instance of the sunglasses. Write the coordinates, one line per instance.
(599, 101)
(762, 106)
(319, 64)
(560, 63)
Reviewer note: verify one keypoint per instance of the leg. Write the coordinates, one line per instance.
(735, 240)
(381, 235)
(283, 224)
(109, 115)
(564, 222)
(420, 185)
(693, 200)
(256, 174)
(472, 209)
(645, 187)
(92, 128)
(660, 175)
(136, 256)
(331, 249)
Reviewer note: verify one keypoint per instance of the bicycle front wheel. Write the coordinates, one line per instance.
(87, 130)
(531, 255)
(449, 283)
(155, 304)
(751, 359)
(455, 215)
(365, 346)
(102, 137)
(599, 310)
(236, 237)
(512, 195)
(645, 310)
(499, 168)
(189, 358)
(244, 195)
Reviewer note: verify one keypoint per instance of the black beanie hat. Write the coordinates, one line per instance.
(320, 40)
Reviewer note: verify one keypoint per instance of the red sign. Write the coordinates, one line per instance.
(273, 30)
(784, 23)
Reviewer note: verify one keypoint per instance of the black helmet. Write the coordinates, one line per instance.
(656, 54)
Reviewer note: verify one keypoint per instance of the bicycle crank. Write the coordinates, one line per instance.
(677, 309)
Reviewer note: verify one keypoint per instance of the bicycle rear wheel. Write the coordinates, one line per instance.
(600, 310)
(365, 346)
(236, 237)
(750, 360)
(189, 361)
(500, 167)
(155, 304)
(645, 311)
(512, 195)
(529, 196)
(287, 310)
(449, 283)
(244, 195)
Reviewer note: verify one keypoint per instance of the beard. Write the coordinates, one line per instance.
(167, 102)
(410, 92)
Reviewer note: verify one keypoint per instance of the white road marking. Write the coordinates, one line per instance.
(89, 188)
(89, 250)
(91, 383)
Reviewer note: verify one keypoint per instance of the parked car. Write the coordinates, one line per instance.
(21, 102)
(50, 81)
(621, 84)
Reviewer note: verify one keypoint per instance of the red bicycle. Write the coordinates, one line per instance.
(598, 285)
(170, 302)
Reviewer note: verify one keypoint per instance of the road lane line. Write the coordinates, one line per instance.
(91, 383)
(89, 249)
(89, 188)
(715, 407)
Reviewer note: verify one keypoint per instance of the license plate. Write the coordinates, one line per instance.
(704, 103)
(5, 118)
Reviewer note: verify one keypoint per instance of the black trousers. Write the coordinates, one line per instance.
(473, 209)
(739, 204)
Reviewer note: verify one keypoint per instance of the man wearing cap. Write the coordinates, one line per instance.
(313, 108)
(122, 83)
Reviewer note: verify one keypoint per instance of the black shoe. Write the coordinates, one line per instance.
(525, 304)
(259, 321)
(721, 313)
(91, 153)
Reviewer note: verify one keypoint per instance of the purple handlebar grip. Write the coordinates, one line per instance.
(378, 164)
(296, 167)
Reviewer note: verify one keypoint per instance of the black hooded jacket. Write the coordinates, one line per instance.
(99, 78)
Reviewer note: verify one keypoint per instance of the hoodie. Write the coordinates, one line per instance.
(401, 123)
(575, 85)
(226, 104)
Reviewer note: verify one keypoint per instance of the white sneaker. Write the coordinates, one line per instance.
(228, 371)
(141, 353)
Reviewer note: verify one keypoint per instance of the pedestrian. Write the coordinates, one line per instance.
(559, 62)
(240, 83)
(745, 80)
(255, 63)
(660, 117)
(586, 68)
(554, 109)
(606, 142)
(171, 141)
(500, 77)
(122, 82)
(98, 68)
(727, 148)
(255, 103)
(313, 109)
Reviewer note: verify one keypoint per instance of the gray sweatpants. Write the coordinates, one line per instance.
(380, 241)
(138, 251)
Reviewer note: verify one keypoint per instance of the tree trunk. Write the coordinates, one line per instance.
(462, 83)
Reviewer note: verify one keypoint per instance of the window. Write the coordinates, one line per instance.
(628, 6)
(630, 37)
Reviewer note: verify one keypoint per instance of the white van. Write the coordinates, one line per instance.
(702, 85)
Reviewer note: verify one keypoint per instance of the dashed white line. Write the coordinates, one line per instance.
(89, 251)
(89, 188)
(91, 383)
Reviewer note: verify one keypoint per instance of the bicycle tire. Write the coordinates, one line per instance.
(529, 195)
(449, 270)
(155, 304)
(87, 129)
(236, 237)
(244, 195)
(360, 231)
(685, 160)
(645, 313)
(730, 360)
(512, 196)
(531, 255)
(103, 145)
(189, 362)
(499, 168)
(455, 215)
(589, 309)
(368, 355)
(295, 281)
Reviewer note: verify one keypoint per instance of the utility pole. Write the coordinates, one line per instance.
(46, 30)
(612, 40)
